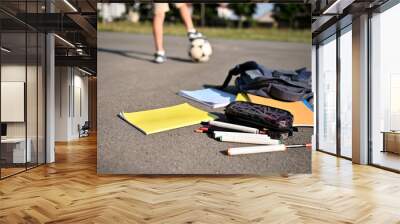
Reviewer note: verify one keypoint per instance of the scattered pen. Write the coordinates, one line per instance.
(309, 145)
(232, 126)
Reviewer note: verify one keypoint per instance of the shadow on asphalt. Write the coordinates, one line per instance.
(139, 55)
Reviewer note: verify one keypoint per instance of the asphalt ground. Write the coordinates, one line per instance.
(129, 81)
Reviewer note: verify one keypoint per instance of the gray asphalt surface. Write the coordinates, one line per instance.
(129, 81)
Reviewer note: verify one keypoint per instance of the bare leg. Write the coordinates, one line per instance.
(158, 21)
(186, 17)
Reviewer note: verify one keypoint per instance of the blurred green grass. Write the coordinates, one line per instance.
(266, 34)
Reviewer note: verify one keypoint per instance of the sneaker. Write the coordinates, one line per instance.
(159, 58)
(194, 35)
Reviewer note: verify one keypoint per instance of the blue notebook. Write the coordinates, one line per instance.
(211, 97)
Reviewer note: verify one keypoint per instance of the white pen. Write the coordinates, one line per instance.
(233, 126)
(256, 149)
(252, 140)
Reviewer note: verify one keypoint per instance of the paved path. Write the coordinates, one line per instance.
(129, 81)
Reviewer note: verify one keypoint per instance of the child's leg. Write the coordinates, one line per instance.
(186, 16)
(187, 20)
(158, 21)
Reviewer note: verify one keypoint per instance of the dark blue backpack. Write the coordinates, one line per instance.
(278, 84)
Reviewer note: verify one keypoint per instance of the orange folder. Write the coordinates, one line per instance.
(303, 116)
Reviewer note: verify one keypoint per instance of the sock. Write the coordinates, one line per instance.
(192, 30)
(162, 53)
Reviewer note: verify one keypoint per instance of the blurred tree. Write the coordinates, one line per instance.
(202, 14)
(206, 15)
(243, 10)
(208, 18)
(293, 15)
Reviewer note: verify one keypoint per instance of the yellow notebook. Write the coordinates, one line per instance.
(163, 119)
(302, 115)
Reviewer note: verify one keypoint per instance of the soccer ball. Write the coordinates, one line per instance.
(200, 50)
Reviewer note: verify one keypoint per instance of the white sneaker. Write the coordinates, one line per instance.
(194, 35)
(159, 58)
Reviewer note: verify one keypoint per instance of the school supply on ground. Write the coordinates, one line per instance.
(278, 84)
(209, 129)
(261, 116)
(232, 126)
(256, 149)
(242, 135)
(239, 137)
(245, 138)
(163, 119)
(213, 98)
(302, 114)
(269, 145)
(309, 145)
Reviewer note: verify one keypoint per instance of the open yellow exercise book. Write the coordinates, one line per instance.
(163, 119)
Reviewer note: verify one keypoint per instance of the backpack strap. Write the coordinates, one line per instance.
(279, 73)
(231, 73)
(286, 93)
(300, 70)
(238, 69)
(261, 82)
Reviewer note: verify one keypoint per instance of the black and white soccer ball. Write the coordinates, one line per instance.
(200, 50)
